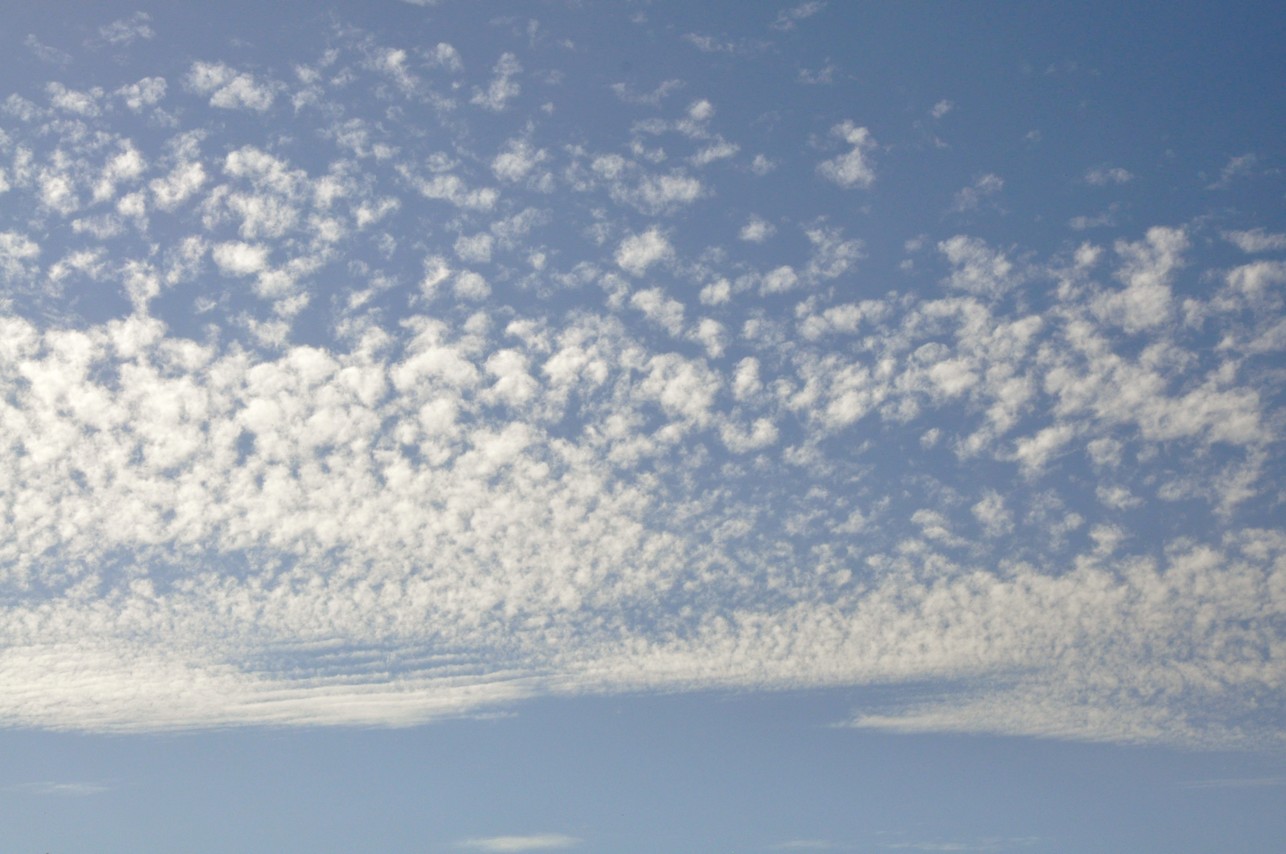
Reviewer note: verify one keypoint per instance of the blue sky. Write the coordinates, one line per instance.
(633, 427)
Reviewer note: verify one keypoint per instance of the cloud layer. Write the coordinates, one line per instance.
(388, 425)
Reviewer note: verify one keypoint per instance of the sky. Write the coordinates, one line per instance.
(642, 426)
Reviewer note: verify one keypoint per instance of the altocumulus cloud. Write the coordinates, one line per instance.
(314, 411)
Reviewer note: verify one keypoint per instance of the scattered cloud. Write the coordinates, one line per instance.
(419, 404)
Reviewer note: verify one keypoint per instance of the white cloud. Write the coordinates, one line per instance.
(446, 56)
(992, 514)
(179, 185)
(16, 253)
(240, 259)
(664, 311)
(717, 151)
(144, 93)
(329, 393)
(476, 248)
(639, 251)
(69, 100)
(533, 842)
(517, 160)
(471, 286)
(761, 165)
(853, 168)
(970, 198)
(779, 280)
(789, 18)
(653, 98)
(977, 268)
(503, 87)
(126, 31)
(227, 88)
(1103, 175)
(1236, 167)
(46, 53)
(1256, 240)
(1146, 270)
(756, 230)
(61, 789)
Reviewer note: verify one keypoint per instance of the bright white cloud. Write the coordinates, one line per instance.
(229, 89)
(853, 168)
(639, 251)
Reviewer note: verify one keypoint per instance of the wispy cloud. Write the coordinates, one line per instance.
(1235, 783)
(61, 789)
(534, 842)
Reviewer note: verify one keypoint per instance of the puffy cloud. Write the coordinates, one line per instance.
(227, 88)
(756, 230)
(240, 259)
(639, 251)
(264, 418)
(853, 168)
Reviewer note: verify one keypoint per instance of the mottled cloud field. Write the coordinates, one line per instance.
(372, 381)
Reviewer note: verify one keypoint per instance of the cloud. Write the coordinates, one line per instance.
(240, 259)
(977, 268)
(756, 230)
(1236, 167)
(126, 31)
(789, 18)
(734, 47)
(535, 842)
(1102, 176)
(653, 98)
(227, 88)
(1235, 783)
(406, 410)
(61, 789)
(970, 198)
(852, 169)
(46, 53)
(1256, 240)
(639, 251)
(144, 93)
(503, 88)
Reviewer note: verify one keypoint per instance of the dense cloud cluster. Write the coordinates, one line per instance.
(318, 405)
